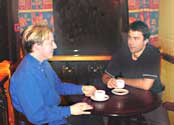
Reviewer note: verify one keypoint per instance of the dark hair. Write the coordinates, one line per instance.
(28, 46)
(140, 26)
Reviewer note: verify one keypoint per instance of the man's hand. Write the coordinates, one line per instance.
(169, 106)
(88, 90)
(79, 108)
(112, 83)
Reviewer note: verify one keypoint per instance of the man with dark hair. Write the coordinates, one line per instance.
(138, 64)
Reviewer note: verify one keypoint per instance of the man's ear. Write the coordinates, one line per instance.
(35, 47)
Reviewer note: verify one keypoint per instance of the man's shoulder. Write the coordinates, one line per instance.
(23, 67)
(151, 50)
(151, 54)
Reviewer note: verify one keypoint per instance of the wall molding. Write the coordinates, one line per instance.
(164, 56)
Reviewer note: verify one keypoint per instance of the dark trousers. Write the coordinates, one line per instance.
(158, 116)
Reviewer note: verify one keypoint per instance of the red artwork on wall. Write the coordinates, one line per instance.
(41, 11)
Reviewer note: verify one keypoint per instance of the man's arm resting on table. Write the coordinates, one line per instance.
(142, 83)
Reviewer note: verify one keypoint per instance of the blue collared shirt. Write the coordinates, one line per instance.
(35, 91)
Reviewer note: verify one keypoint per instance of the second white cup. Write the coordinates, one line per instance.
(120, 83)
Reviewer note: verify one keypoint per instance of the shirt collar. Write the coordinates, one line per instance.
(34, 60)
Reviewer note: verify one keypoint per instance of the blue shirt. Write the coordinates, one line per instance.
(35, 91)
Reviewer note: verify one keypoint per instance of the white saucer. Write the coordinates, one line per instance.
(104, 99)
(120, 91)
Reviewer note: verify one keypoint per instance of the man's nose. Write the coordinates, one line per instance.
(130, 41)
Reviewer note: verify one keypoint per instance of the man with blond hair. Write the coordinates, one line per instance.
(35, 88)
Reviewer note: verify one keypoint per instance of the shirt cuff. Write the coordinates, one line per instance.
(67, 111)
(81, 91)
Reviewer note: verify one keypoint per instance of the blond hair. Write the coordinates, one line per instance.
(35, 34)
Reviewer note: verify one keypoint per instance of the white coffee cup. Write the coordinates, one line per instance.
(120, 83)
(99, 94)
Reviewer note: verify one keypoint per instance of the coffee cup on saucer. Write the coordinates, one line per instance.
(120, 83)
(100, 94)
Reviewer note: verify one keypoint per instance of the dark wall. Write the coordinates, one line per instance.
(81, 72)
(9, 48)
(90, 26)
(4, 50)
